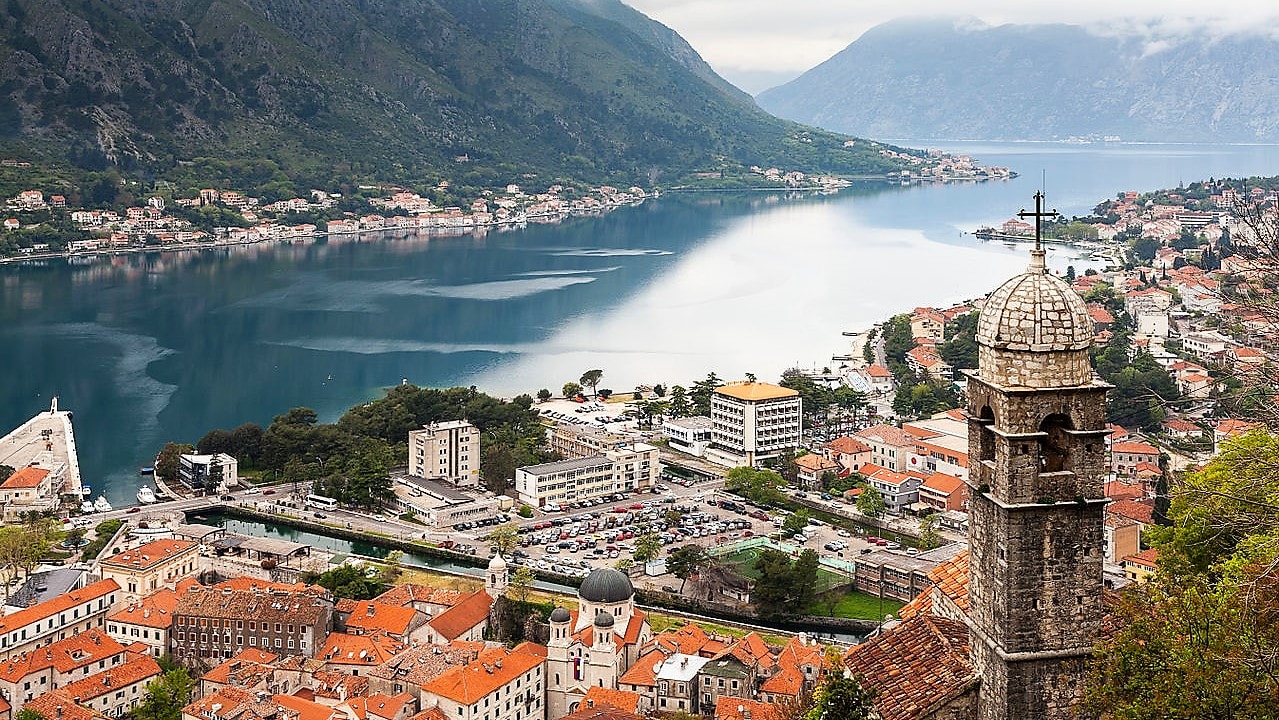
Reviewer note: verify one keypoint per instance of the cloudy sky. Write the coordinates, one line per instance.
(761, 43)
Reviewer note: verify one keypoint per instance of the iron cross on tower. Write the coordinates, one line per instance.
(1039, 214)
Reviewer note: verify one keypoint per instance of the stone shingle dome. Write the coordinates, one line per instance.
(603, 619)
(559, 615)
(1035, 312)
(606, 585)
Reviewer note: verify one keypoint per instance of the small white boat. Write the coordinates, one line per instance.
(86, 507)
(146, 495)
(101, 504)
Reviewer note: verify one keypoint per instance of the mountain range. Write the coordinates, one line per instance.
(477, 91)
(960, 80)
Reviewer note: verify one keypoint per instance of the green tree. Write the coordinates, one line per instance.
(758, 485)
(571, 389)
(842, 698)
(392, 567)
(804, 579)
(774, 581)
(591, 379)
(685, 562)
(647, 547)
(871, 502)
(504, 537)
(699, 395)
(929, 537)
(5, 473)
(543, 395)
(526, 511)
(28, 714)
(795, 522)
(521, 582)
(679, 403)
(166, 462)
(166, 696)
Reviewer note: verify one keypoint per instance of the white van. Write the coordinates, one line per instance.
(253, 491)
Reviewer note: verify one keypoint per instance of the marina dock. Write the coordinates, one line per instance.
(45, 441)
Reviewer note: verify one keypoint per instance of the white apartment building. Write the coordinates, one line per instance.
(688, 434)
(448, 451)
(500, 684)
(58, 618)
(624, 469)
(753, 421)
(212, 473)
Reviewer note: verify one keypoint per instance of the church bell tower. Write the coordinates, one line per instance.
(1036, 438)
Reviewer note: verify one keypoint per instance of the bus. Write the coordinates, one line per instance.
(319, 502)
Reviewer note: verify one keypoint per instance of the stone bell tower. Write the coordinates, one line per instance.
(1036, 434)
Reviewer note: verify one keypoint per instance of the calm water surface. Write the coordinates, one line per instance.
(149, 348)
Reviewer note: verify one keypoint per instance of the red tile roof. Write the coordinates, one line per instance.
(848, 446)
(344, 649)
(728, 707)
(1119, 490)
(1134, 448)
(621, 699)
(138, 669)
(888, 435)
(494, 668)
(79, 650)
(56, 702)
(469, 612)
(53, 606)
(147, 556)
(914, 667)
(643, 671)
(305, 709)
(943, 483)
(369, 617)
(1147, 558)
(27, 477)
(1140, 510)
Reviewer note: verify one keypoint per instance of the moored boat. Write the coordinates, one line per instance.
(146, 495)
(101, 504)
(86, 507)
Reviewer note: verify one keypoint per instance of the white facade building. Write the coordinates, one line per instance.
(625, 469)
(688, 434)
(753, 421)
(212, 473)
(447, 451)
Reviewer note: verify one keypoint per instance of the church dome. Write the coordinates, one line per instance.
(603, 620)
(497, 563)
(1035, 312)
(559, 615)
(606, 585)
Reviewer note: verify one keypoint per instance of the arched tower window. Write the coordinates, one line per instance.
(987, 445)
(1055, 446)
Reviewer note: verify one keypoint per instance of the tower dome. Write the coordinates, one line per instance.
(559, 615)
(497, 563)
(1035, 331)
(606, 585)
(603, 619)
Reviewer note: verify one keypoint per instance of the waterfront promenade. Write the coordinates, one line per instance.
(45, 441)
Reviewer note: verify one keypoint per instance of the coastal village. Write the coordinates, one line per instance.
(147, 226)
(90, 639)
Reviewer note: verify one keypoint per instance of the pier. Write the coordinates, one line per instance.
(45, 441)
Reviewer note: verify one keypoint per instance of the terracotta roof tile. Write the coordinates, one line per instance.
(914, 666)
(754, 391)
(643, 671)
(409, 593)
(305, 709)
(55, 701)
(888, 435)
(77, 651)
(53, 606)
(620, 699)
(1140, 510)
(369, 617)
(848, 446)
(469, 612)
(27, 477)
(731, 708)
(494, 668)
(1134, 448)
(137, 669)
(149, 555)
(345, 649)
(154, 610)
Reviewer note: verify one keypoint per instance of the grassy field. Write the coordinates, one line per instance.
(855, 604)
(744, 562)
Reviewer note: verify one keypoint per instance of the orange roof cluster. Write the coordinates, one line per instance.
(950, 579)
(812, 462)
(884, 475)
(79, 650)
(728, 707)
(57, 703)
(1134, 448)
(420, 664)
(689, 639)
(154, 610)
(345, 649)
(943, 483)
(304, 709)
(149, 555)
(598, 697)
(888, 435)
(1140, 510)
(242, 669)
(494, 668)
(56, 605)
(752, 651)
(466, 614)
(756, 391)
(848, 446)
(234, 703)
(878, 371)
(138, 669)
(914, 667)
(27, 477)
(643, 672)
(378, 705)
(370, 617)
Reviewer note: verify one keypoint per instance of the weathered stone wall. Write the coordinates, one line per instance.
(1018, 368)
(1048, 689)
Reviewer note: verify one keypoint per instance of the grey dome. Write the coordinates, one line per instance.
(559, 615)
(604, 620)
(1035, 312)
(606, 585)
